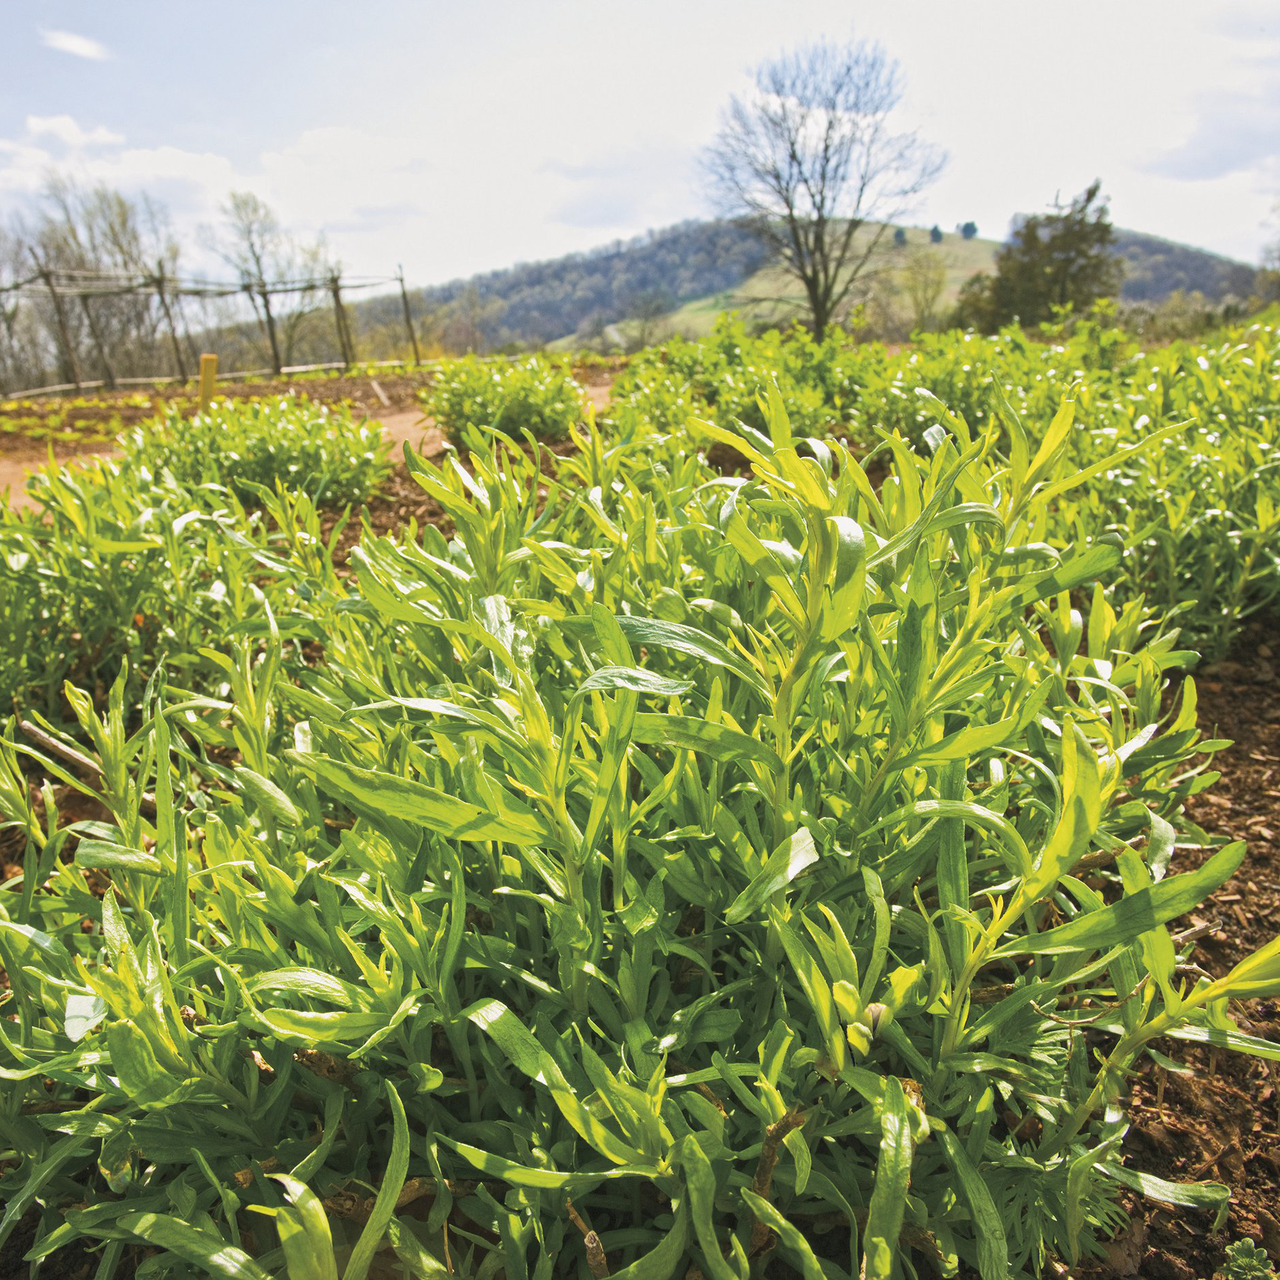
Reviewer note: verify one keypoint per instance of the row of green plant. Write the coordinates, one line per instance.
(86, 419)
(537, 396)
(768, 875)
(1199, 514)
(100, 419)
(157, 553)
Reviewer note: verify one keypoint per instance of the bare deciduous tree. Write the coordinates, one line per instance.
(271, 262)
(646, 312)
(812, 157)
(923, 280)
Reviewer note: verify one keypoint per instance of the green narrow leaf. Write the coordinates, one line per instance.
(1135, 913)
(636, 679)
(1193, 1195)
(515, 1040)
(793, 856)
(384, 1205)
(37, 1178)
(688, 733)
(892, 1180)
(655, 633)
(211, 1253)
(268, 797)
(791, 1237)
(700, 1181)
(661, 1262)
(1235, 1040)
(304, 1233)
(988, 1229)
(374, 794)
(423, 1264)
(953, 867)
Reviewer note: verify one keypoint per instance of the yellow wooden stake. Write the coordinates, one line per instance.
(208, 377)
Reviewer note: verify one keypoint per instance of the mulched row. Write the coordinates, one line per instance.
(1219, 1119)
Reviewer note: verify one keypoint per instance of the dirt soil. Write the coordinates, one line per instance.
(1221, 1119)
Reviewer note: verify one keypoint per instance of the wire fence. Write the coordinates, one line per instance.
(77, 345)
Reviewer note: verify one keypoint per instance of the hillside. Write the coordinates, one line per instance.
(531, 304)
(679, 279)
(771, 295)
(1154, 268)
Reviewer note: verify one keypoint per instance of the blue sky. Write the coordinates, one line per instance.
(458, 137)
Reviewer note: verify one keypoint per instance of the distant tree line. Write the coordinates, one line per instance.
(535, 303)
(277, 307)
(1155, 268)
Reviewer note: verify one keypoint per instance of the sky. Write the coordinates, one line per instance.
(454, 137)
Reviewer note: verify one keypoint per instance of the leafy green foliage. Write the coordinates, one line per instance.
(680, 869)
(536, 396)
(121, 560)
(1198, 515)
(318, 449)
(1245, 1261)
(726, 376)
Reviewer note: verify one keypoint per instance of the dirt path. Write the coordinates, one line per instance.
(1219, 1117)
(16, 467)
(414, 428)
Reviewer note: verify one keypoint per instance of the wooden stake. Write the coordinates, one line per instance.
(408, 316)
(69, 351)
(208, 378)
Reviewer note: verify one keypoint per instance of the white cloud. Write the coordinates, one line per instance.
(67, 131)
(521, 144)
(77, 46)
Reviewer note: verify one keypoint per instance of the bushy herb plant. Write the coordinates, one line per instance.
(535, 396)
(121, 559)
(766, 876)
(1198, 515)
(321, 450)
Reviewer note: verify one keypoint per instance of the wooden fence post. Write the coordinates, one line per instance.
(408, 316)
(168, 315)
(98, 343)
(208, 379)
(68, 348)
(345, 344)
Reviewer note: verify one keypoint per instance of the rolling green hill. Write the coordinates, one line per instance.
(1154, 269)
(679, 279)
(771, 295)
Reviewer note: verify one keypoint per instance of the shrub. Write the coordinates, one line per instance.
(1199, 513)
(535, 396)
(319, 449)
(113, 565)
(680, 871)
